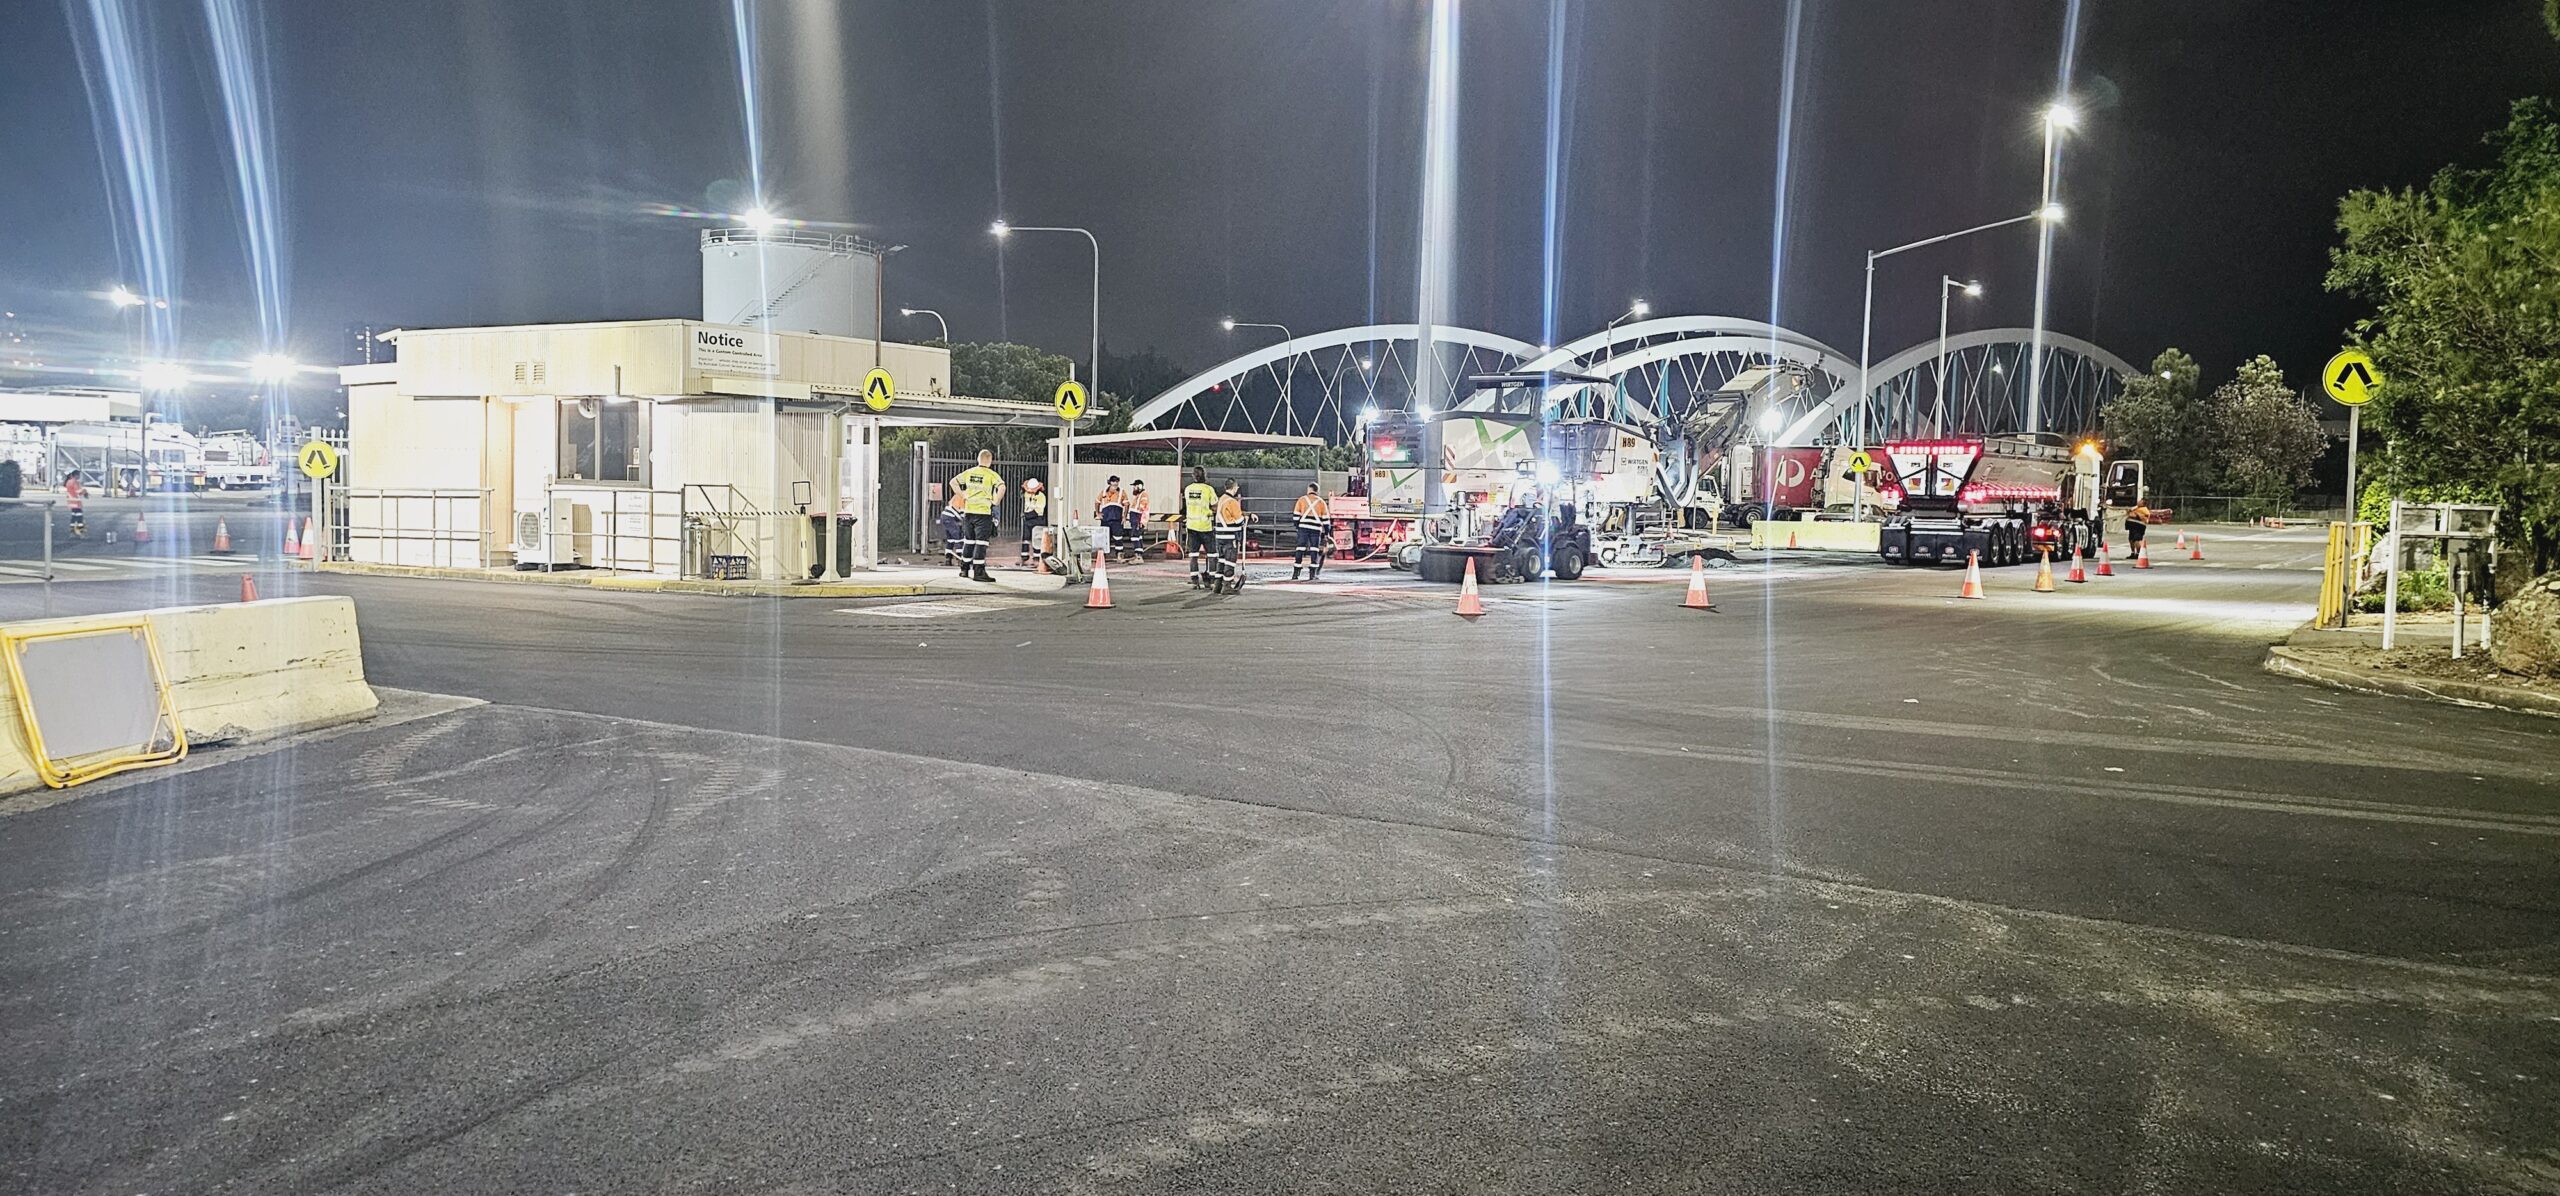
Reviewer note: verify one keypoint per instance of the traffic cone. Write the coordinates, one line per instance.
(1791, 537)
(2195, 551)
(2044, 573)
(1972, 576)
(248, 588)
(306, 538)
(2142, 557)
(222, 537)
(292, 543)
(141, 529)
(2182, 539)
(1470, 603)
(1099, 597)
(1697, 599)
(2077, 573)
(2106, 564)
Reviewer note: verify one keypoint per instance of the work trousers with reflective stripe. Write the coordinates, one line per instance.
(1200, 542)
(1230, 549)
(973, 541)
(1310, 553)
(1031, 525)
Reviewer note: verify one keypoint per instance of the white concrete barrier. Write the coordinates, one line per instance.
(238, 672)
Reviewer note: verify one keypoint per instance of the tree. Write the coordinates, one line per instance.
(2265, 439)
(2466, 326)
(2158, 421)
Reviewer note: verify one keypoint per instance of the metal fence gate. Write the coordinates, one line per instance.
(919, 502)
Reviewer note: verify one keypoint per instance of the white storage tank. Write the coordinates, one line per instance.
(791, 280)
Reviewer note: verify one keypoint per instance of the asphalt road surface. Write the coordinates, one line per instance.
(1846, 886)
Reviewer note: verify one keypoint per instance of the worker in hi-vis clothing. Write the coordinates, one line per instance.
(77, 497)
(1314, 519)
(1199, 514)
(1108, 508)
(1137, 519)
(1230, 527)
(1035, 515)
(980, 489)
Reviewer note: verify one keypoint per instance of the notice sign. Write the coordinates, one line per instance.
(718, 350)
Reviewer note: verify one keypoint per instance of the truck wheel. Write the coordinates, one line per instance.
(1569, 563)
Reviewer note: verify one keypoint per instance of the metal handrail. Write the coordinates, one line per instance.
(441, 528)
(614, 508)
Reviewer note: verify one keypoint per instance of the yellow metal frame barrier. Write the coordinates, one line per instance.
(64, 774)
(2341, 567)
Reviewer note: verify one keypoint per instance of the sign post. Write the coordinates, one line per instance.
(2350, 378)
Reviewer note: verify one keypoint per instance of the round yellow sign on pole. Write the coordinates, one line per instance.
(2350, 377)
(878, 389)
(317, 458)
(1071, 399)
(1860, 462)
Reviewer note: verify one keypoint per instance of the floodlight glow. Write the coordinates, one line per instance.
(123, 297)
(1229, 324)
(1640, 309)
(999, 228)
(761, 219)
(2062, 115)
(273, 367)
(1973, 290)
(2050, 213)
(160, 377)
(1772, 419)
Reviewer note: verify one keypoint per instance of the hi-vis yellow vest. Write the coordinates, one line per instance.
(1035, 502)
(978, 488)
(1199, 506)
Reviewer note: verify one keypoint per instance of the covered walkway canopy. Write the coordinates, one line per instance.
(1184, 441)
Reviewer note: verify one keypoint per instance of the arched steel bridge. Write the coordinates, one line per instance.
(1319, 384)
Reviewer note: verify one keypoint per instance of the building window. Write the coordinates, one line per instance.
(604, 440)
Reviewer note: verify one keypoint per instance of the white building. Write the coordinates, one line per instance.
(650, 445)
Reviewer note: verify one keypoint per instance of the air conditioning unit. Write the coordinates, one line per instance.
(562, 537)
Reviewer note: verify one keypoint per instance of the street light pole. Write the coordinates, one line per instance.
(937, 318)
(1093, 377)
(1288, 379)
(1947, 287)
(2058, 116)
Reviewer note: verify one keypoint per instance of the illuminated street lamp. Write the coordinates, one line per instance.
(124, 297)
(1291, 370)
(1947, 287)
(937, 318)
(1093, 376)
(761, 219)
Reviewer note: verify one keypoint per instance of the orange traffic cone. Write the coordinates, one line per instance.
(2044, 573)
(1791, 537)
(2077, 573)
(2182, 539)
(2142, 557)
(1470, 603)
(1099, 597)
(1697, 599)
(2195, 551)
(2106, 564)
(292, 543)
(1972, 576)
(306, 538)
(141, 530)
(248, 588)
(221, 537)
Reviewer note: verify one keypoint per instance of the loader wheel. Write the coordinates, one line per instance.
(1569, 563)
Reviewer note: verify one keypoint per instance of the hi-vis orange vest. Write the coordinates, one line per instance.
(1311, 512)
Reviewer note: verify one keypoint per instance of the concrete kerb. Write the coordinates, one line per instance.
(238, 672)
(901, 584)
(2308, 664)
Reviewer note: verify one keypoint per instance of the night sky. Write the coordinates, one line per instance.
(491, 161)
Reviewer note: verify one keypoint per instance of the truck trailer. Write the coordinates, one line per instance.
(2002, 501)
